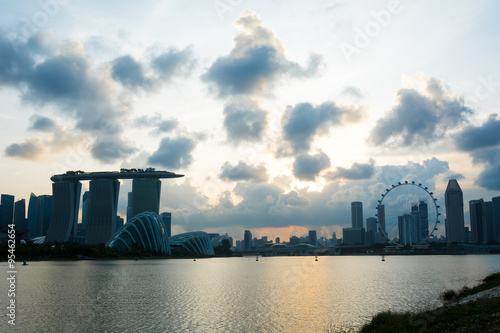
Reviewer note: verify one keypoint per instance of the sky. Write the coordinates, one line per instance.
(278, 113)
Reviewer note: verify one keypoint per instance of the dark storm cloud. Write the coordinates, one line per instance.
(308, 167)
(302, 123)
(30, 149)
(174, 153)
(255, 62)
(357, 171)
(130, 73)
(42, 124)
(173, 63)
(420, 117)
(475, 137)
(244, 120)
(244, 171)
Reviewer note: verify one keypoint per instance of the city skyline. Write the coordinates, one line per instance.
(279, 114)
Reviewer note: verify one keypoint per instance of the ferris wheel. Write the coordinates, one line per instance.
(407, 213)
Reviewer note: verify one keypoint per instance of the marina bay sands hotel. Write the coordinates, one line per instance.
(104, 190)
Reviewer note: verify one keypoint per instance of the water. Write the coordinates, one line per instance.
(280, 294)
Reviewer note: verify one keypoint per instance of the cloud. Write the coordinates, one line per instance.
(16, 60)
(489, 177)
(244, 120)
(294, 199)
(255, 62)
(174, 63)
(30, 149)
(420, 117)
(304, 122)
(475, 137)
(353, 91)
(130, 73)
(356, 172)
(307, 167)
(244, 171)
(112, 148)
(156, 120)
(42, 124)
(174, 153)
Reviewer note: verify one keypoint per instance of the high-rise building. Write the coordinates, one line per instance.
(476, 210)
(66, 201)
(454, 202)
(381, 232)
(353, 236)
(145, 195)
(6, 209)
(371, 230)
(313, 239)
(489, 223)
(130, 198)
(44, 214)
(424, 219)
(277, 240)
(85, 210)
(357, 214)
(32, 216)
(167, 222)
(119, 222)
(409, 228)
(102, 210)
(247, 238)
(20, 217)
(496, 216)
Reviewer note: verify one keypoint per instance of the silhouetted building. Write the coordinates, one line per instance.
(371, 230)
(39, 214)
(294, 240)
(424, 219)
(20, 216)
(167, 222)
(85, 211)
(129, 206)
(102, 210)
(6, 210)
(313, 239)
(247, 238)
(496, 216)
(277, 240)
(466, 235)
(66, 201)
(476, 210)
(409, 228)
(357, 214)
(381, 222)
(454, 202)
(145, 195)
(119, 222)
(489, 223)
(353, 236)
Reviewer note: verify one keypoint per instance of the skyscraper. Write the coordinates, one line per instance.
(371, 230)
(167, 222)
(6, 210)
(496, 216)
(424, 219)
(85, 210)
(130, 198)
(20, 216)
(102, 210)
(66, 201)
(489, 223)
(357, 214)
(32, 216)
(476, 209)
(381, 223)
(145, 195)
(247, 239)
(313, 239)
(454, 201)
